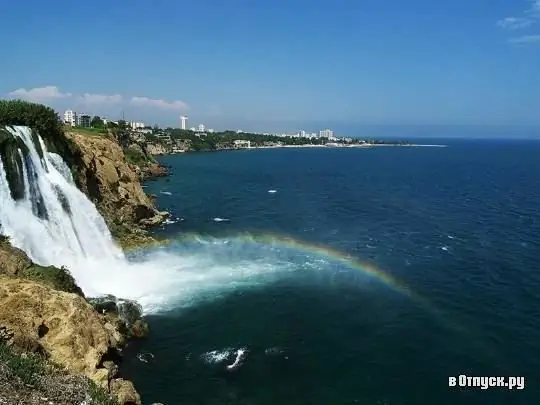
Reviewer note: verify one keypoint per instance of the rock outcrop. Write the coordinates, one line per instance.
(67, 330)
(14, 262)
(105, 176)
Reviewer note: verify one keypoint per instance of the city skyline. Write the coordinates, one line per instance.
(83, 119)
(419, 64)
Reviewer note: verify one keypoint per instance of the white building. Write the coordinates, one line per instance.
(136, 125)
(326, 133)
(70, 117)
(84, 120)
(183, 121)
(239, 143)
(201, 128)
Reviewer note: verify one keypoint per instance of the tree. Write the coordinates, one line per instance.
(122, 124)
(97, 122)
(122, 133)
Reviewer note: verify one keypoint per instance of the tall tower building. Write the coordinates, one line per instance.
(183, 120)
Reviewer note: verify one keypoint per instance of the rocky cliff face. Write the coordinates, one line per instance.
(66, 329)
(105, 176)
(42, 311)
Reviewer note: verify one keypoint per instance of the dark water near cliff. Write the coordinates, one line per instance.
(459, 226)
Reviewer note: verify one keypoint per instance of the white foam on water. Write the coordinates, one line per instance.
(218, 219)
(272, 191)
(166, 192)
(240, 356)
(170, 221)
(178, 275)
(216, 356)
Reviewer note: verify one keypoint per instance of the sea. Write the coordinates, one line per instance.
(368, 276)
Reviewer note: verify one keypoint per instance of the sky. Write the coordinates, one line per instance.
(281, 65)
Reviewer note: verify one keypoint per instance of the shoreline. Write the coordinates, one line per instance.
(336, 146)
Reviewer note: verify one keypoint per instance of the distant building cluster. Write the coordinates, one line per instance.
(77, 119)
(85, 120)
(325, 133)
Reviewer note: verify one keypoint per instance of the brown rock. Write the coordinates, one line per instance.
(12, 260)
(109, 181)
(75, 337)
(112, 368)
(155, 220)
(139, 329)
(101, 377)
(125, 392)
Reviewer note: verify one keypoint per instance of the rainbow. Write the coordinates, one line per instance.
(337, 256)
(334, 255)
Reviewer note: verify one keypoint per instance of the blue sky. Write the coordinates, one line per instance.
(280, 64)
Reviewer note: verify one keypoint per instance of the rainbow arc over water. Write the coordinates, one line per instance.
(332, 255)
(313, 249)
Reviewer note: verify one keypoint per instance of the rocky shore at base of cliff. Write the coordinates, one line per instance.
(56, 345)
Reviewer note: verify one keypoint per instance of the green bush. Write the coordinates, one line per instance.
(57, 278)
(45, 121)
(25, 366)
(136, 157)
(38, 116)
(99, 396)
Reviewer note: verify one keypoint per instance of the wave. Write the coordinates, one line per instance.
(218, 219)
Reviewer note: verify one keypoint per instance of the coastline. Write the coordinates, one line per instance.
(332, 146)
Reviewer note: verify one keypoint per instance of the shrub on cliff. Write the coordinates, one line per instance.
(38, 116)
(58, 278)
(26, 367)
(136, 157)
(44, 120)
(31, 379)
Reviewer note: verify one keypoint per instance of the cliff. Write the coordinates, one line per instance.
(43, 313)
(54, 342)
(57, 346)
(113, 184)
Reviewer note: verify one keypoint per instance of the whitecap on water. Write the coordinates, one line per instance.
(217, 356)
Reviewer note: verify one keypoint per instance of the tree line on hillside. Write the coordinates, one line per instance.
(224, 139)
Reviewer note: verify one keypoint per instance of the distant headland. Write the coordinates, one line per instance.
(164, 141)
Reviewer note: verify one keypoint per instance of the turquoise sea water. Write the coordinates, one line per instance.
(449, 235)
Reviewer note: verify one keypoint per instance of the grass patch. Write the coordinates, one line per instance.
(99, 396)
(57, 278)
(27, 367)
(87, 131)
(136, 157)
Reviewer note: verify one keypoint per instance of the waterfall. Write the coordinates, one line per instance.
(53, 222)
(49, 218)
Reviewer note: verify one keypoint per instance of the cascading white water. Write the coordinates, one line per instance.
(72, 230)
(56, 224)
